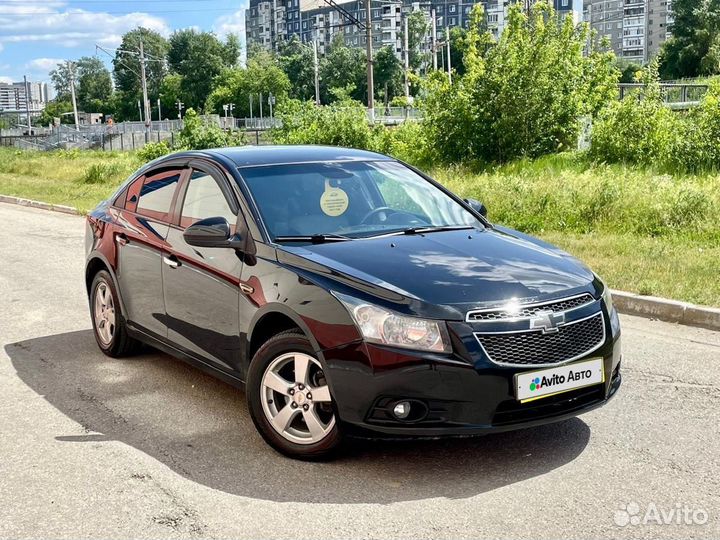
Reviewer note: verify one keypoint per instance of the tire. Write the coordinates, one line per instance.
(109, 326)
(280, 362)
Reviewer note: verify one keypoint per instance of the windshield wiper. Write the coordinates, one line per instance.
(314, 238)
(423, 230)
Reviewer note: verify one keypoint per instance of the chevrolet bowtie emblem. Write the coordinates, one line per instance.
(547, 321)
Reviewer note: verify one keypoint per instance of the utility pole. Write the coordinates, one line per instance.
(434, 39)
(406, 57)
(370, 81)
(317, 73)
(159, 111)
(140, 110)
(146, 102)
(447, 40)
(261, 113)
(27, 105)
(180, 107)
(250, 97)
(71, 71)
(271, 101)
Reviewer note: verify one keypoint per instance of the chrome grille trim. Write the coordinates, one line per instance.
(527, 311)
(549, 338)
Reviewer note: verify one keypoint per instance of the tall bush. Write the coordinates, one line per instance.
(200, 135)
(340, 124)
(697, 144)
(638, 128)
(522, 95)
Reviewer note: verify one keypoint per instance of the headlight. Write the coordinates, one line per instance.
(607, 298)
(380, 325)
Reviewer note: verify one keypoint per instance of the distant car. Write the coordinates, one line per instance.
(351, 294)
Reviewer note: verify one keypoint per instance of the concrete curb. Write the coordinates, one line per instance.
(652, 307)
(667, 310)
(37, 204)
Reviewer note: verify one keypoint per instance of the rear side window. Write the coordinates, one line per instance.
(203, 199)
(156, 195)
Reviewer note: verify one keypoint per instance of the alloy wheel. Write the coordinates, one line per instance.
(104, 311)
(296, 398)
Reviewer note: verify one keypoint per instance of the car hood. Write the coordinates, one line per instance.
(457, 269)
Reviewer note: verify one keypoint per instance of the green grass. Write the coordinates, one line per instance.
(642, 231)
(72, 178)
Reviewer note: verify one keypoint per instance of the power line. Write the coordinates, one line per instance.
(85, 13)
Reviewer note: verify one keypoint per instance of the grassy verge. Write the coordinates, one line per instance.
(643, 232)
(72, 178)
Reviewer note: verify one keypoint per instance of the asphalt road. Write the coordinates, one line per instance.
(151, 448)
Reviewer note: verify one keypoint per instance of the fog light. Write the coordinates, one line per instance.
(402, 410)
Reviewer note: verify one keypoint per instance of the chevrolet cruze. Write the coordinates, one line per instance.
(350, 294)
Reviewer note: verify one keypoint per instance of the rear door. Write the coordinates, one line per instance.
(201, 285)
(145, 218)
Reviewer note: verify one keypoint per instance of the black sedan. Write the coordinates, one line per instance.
(350, 294)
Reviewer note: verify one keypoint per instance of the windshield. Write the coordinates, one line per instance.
(352, 199)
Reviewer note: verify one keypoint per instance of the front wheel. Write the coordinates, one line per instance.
(289, 398)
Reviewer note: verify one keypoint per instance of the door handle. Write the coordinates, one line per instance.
(171, 261)
(121, 239)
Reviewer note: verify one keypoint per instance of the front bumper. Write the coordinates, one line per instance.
(464, 394)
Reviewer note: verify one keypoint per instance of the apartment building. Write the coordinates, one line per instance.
(13, 97)
(267, 22)
(636, 29)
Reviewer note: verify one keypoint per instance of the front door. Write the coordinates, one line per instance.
(201, 284)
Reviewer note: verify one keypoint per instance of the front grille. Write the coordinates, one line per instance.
(533, 348)
(524, 312)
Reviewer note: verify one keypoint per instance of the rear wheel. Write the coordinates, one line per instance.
(108, 323)
(289, 398)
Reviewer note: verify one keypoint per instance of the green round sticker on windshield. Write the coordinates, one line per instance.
(334, 201)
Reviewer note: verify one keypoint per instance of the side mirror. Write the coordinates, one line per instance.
(212, 232)
(477, 206)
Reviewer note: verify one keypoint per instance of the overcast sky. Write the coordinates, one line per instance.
(36, 35)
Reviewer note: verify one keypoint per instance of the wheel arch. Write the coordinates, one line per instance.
(271, 320)
(95, 263)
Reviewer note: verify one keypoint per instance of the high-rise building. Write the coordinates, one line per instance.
(13, 97)
(636, 29)
(268, 22)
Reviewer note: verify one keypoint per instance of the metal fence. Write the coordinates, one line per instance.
(676, 95)
(124, 136)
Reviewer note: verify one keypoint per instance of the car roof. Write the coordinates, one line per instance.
(250, 156)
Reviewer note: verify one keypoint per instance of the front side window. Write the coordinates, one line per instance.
(156, 195)
(354, 199)
(204, 199)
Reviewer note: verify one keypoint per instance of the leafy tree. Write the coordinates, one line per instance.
(93, 83)
(237, 85)
(343, 68)
(388, 74)
(199, 57)
(629, 72)
(126, 69)
(170, 93)
(95, 86)
(56, 109)
(60, 78)
(521, 96)
(458, 46)
(417, 31)
(694, 48)
(296, 60)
